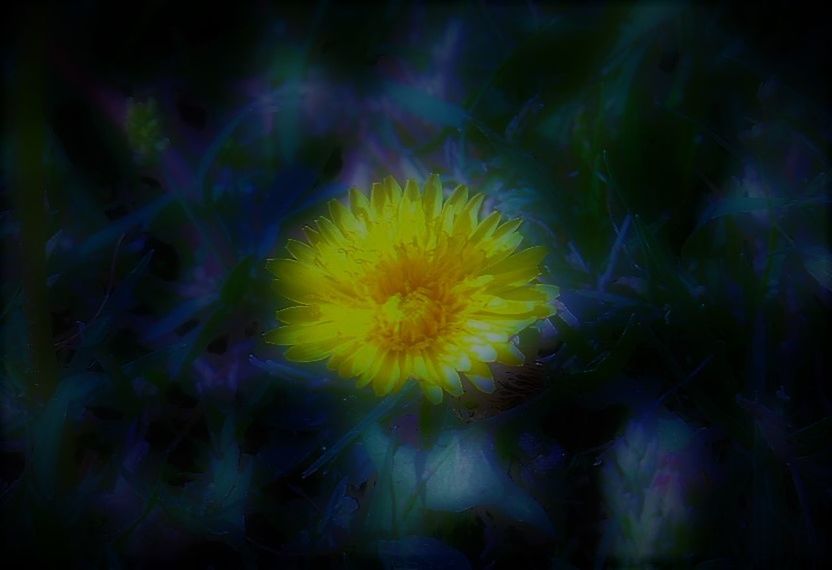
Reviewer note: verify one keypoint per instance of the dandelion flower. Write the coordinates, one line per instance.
(144, 128)
(405, 284)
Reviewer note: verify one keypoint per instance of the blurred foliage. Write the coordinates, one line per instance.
(673, 158)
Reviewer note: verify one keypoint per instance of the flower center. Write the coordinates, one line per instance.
(416, 300)
(411, 319)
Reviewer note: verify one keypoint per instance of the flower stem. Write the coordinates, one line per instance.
(381, 410)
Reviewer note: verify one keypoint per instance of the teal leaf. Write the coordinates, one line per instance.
(420, 552)
(426, 106)
(139, 218)
(183, 312)
(737, 204)
(673, 435)
(382, 409)
(216, 502)
(198, 339)
(48, 427)
(458, 473)
(223, 138)
(818, 262)
(609, 364)
(812, 439)
(340, 509)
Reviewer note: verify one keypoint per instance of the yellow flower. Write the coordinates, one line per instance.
(405, 284)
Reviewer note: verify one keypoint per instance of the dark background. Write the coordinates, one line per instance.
(672, 156)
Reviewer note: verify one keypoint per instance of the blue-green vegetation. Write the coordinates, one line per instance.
(672, 157)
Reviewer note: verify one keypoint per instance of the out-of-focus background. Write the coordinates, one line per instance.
(673, 157)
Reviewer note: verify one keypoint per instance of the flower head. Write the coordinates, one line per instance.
(144, 129)
(405, 284)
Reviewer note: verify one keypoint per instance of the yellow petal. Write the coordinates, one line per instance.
(406, 364)
(466, 221)
(509, 325)
(539, 292)
(299, 314)
(345, 367)
(507, 244)
(432, 392)
(502, 306)
(359, 204)
(420, 369)
(300, 251)
(452, 208)
(481, 377)
(293, 269)
(364, 359)
(329, 232)
(312, 235)
(552, 292)
(488, 330)
(411, 216)
(297, 334)
(432, 200)
(378, 198)
(394, 191)
(458, 197)
(294, 290)
(458, 358)
(310, 352)
(486, 227)
(529, 259)
(447, 376)
(507, 228)
(480, 350)
(450, 380)
(343, 219)
(297, 281)
(509, 354)
(388, 374)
